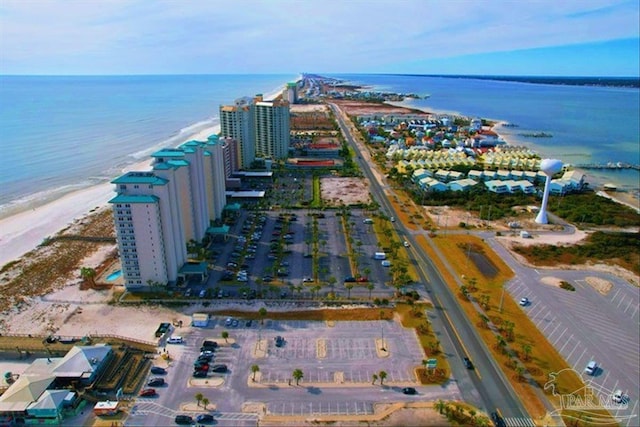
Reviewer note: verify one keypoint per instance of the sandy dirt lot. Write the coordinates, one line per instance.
(337, 191)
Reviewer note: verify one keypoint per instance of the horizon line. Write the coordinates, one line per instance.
(637, 77)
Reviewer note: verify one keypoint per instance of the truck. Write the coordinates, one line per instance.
(379, 255)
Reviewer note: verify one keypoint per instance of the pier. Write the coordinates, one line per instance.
(610, 165)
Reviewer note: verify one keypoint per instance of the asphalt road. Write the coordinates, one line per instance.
(458, 337)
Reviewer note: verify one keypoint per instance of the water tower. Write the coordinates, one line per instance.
(549, 167)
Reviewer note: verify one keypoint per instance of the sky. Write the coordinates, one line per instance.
(499, 37)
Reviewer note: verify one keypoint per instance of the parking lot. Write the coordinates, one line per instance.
(338, 360)
(269, 255)
(585, 325)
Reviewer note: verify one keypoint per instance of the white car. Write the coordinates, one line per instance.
(406, 244)
(524, 302)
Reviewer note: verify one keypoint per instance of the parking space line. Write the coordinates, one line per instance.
(580, 358)
(557, 339)
(615, 295)
(574, 349)
(620, 302)
(565, 343)
(544, 330)
(628, 305)
(635, 310)
(554, 330)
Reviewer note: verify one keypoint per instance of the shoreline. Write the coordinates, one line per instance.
(23, 231)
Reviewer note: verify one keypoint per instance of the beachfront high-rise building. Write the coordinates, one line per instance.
(149, 230)
(157, 213)
(238, 122)
(260, 128)
(272, 129)
(230, 156)
(291, 92)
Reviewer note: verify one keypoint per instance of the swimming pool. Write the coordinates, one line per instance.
(113, 276)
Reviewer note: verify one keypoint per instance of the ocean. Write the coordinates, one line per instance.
(588, 124)
(65, 133)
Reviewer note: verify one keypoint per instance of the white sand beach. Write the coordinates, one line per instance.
(22, 232)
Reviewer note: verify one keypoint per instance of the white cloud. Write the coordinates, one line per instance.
(138, 36)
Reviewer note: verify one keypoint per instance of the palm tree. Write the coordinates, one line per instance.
(89, 274)
(349, 286)
(205, 402)
(199, 398)
(440, 405)
(526, 350)
(370, 286)
(374, 378)
(254, 369)
(225, 335)
(382, 375)
(472, 414)
(263, 313)
(297, 375)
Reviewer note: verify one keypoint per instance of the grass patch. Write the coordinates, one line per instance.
(316, 202)
(413, 316)
(622, 249)
(355, 314)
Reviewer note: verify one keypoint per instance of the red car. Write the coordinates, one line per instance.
(148, 392)
(362, 279)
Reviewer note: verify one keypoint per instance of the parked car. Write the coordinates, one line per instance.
(592, 368)
(200, 374)
(362, 279)
(183, 420)
(467, 363)
(204, 418)
(409, 390)
(497, 420)
(219, 368)
(524, 301)
(155, 382)
(175, 340)
(349, 279)
(279, 341)
(198, 364)
(406, 244)
(202, 293)
(158, 370)
(148, 392)
(209, 343)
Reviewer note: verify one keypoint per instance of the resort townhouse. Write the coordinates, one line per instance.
(157, 212)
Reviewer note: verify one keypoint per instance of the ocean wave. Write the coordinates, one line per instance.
(41, 198)
(177, 138)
